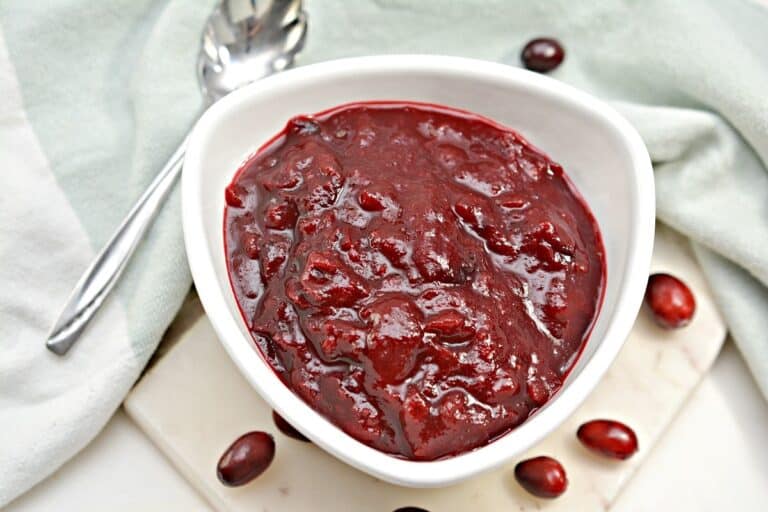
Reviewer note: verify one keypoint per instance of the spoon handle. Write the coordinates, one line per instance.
(101, 276)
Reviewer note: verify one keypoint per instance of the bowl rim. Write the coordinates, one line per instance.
(260, 375)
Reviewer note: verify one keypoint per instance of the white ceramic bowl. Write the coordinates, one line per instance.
(600, 151)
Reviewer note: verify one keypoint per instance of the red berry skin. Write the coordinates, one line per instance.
(670, 300)
(233, 195)
(609, 438)
(281, 216)
(245, 459)
(542, 54)
(371, 202)
(542, 476)
(288, 429)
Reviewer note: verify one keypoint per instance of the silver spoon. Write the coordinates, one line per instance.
(243, 41)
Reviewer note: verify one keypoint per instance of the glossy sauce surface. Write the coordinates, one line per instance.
(422, 277)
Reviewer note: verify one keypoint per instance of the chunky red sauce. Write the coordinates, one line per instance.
(421, 276)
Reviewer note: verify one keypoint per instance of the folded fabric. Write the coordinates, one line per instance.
(97, 94)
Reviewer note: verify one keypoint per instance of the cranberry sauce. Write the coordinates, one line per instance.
(422, 277)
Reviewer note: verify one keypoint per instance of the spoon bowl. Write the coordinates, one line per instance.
(243, 42)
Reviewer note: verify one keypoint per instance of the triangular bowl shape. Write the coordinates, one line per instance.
(603, 155)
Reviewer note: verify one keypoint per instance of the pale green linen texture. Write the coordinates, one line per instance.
(109, 89)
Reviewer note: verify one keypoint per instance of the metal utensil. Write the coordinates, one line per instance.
(243, 41)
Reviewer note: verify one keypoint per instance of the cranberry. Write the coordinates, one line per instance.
(245, 459)
(542, 54)
(288, 429)
(498, 243)
(671, 301)
(274, 255)
(328, 283)
(303, 125)
(537, 391)
(233, 195)
(469, 213)
(450, 325)
(250, 243)
(438, 259)
(394, 249)
(281, 216)
(371, 202)
(542, 476)
(607, 437)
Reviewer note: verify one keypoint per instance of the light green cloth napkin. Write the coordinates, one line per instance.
(95, 95)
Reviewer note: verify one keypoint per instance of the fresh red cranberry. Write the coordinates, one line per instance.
(542, 54)
(245, 459)
(607, 437)
(542, 476)
(671, 301)
(288, 429)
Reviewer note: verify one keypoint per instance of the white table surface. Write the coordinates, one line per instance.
(712, 459)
